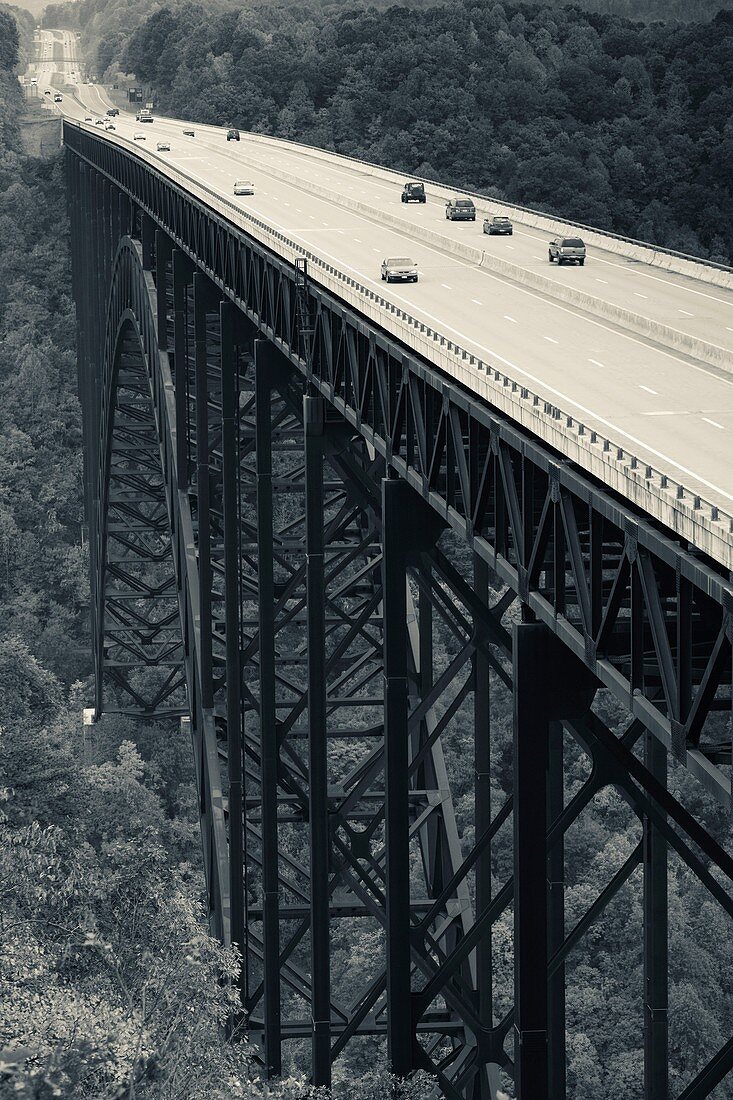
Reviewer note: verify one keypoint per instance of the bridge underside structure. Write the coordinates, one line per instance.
(340, 569)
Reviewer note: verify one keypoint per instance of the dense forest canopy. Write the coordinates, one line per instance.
(618, 125)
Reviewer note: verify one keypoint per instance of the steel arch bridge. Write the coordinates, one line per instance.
(328, 558)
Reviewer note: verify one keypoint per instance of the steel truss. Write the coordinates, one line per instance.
(348, 536)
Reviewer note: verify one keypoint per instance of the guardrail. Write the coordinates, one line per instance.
(682, 510)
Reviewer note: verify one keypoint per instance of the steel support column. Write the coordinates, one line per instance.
(181, 279)
(313, 418)
(556, 914)
(396, 496)
(656, 1053)
(531, 738)
(235, 764)
(264, 355)
(203, 299)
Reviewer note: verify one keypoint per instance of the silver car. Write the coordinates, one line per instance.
(399, 269)
(163, 147)
(138, 136)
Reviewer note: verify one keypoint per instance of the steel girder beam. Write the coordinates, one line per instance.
(655, 614)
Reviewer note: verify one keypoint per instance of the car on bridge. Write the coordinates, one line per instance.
(110, 126)
(244, 187)
(567, 250)
(87, 118)
(47, 92)
(399, 269)
(57, 98)
(232, 134)
(113, 111)
(460, 210)
(498, 227)
(413, 192)
(99, 122)
(137, 136)
(189, 133)
(163, 147)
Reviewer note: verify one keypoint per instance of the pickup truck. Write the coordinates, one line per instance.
(413, 192)
(567, 250)
(399, 269)
(460, 210)
(497, 226)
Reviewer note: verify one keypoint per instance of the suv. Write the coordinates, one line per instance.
(570, 250)
(232, 135)
(399, 269)
(58, 98)
(461, 210)
(413, 192)
(113, 111)
(498, 227)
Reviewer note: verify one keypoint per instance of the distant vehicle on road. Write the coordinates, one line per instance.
(99, 122)
(460, 210)
(138, 136)
(163, 147)
(189, 133)
(567, 250)
(399, 269)
(497, 226)
(57, 98)
(113, 111)
(244, 187)
(413, 192)
(232, 135)
(144, 115)
(34, 80)
(47, 92)
(110, 126)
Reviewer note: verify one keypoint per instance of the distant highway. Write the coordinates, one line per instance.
(672, 411)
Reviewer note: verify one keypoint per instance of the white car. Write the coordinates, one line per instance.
(243, 187)
(163, 147)
(399, 269)
(138, 136)
(88, 118)
(99, 122)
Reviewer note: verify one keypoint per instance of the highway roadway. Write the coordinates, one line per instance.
(672, 411)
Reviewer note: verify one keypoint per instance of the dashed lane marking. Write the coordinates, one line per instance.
(649, 390)
(714, 423)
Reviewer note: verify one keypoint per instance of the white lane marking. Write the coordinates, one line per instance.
(714, 423)
(664, 412)
(511, 247)
(595, 363)
(287, 204)
(637, 295)
(684, 311)
(476, 301)
(446, 286)
(604, 281)
(649, 390)
(324, 223)
(512, 319)
(552, 340)
(376, 250)
(358, 240)
(312, 217)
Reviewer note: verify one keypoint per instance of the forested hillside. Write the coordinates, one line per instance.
(621, 126)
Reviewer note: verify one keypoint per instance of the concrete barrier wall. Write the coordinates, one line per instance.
(657, 494)
(635, 322)
(633, 250)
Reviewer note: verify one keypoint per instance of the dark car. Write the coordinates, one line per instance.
(460, 210)
(112, 111)
(413, 192)
(232, 135)
(567, 250)
(498, 227)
